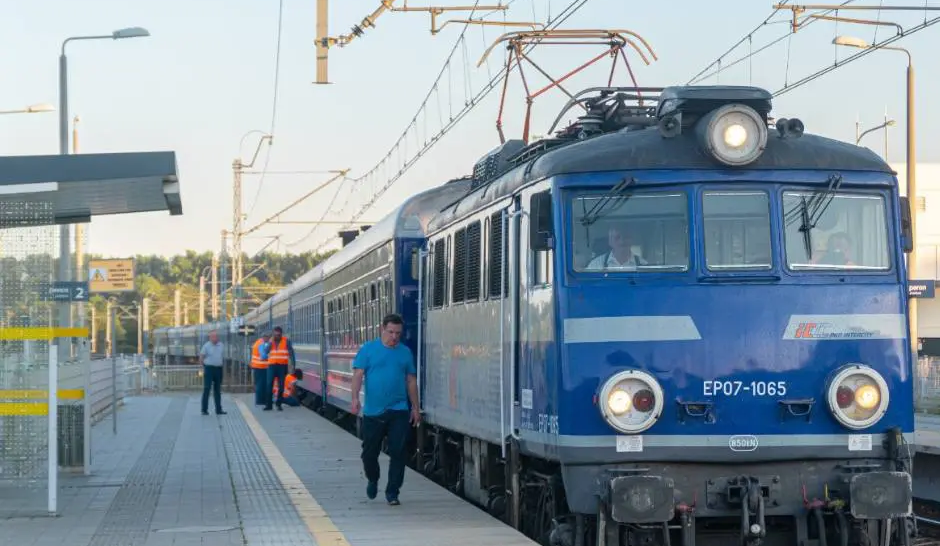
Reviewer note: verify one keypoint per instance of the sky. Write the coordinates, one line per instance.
(205, 79)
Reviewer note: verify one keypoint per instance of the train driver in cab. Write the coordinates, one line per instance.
(620, 255)
(838, 251)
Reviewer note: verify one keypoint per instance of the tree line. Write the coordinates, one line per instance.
(156, 278)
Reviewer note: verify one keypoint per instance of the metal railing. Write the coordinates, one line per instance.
(927, 385)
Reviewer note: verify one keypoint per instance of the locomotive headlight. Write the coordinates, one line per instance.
(858, 396)
(618, 402)
(632, 401)
(733, 134)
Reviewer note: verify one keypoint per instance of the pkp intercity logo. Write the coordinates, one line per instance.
(835, 327)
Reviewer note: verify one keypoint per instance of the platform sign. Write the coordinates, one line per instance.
(111, 275)
(921, 288)
(64, 291)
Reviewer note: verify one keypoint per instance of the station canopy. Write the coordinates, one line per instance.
(85, 185)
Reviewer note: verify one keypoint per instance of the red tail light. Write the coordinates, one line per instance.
(844, 397)
(644, 400)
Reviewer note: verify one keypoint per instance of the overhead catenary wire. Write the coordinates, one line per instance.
(470, 104)
(861, 53)
(276, 86)
(704, 74)
(736, 45)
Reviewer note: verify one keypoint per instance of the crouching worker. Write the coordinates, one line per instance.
(290, 393)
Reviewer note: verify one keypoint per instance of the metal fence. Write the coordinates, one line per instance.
(189, 377)
(927, 385)
(28, 251)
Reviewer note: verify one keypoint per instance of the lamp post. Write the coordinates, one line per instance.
(885, 125)
(64, 242)
(31, 109)
(62, 351)
(850, 41)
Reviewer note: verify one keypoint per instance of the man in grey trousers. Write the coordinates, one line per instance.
(210, 356)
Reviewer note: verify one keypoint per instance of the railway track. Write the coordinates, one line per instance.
(927, 515)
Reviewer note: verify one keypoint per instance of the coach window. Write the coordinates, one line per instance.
(841, 231)
(737, 230)
(641, 232)
(373, 310)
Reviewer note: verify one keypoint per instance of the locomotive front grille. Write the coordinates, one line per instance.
(642, 499)
(881, 495)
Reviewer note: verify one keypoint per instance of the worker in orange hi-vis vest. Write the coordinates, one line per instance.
(290, 393)
(259, 366)
(279, 359)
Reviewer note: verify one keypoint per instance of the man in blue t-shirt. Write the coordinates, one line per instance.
(388, 369)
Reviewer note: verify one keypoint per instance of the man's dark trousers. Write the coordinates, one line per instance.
(212, 379)
(394, 424)
(261, 381)
(280, 372)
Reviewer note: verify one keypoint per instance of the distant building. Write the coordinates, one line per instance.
(927, 270)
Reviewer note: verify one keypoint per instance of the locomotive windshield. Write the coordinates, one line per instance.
(646, 232)
(643, 232)
(847, 232)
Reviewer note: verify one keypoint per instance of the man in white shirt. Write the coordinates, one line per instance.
(621, 255)
(211, 358)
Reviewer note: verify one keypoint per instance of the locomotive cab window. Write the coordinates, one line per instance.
(737, 230)
(842, 231)
(644, 232)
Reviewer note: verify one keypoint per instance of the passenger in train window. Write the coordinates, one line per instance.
(387, 368)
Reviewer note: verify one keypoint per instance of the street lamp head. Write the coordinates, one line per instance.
(130, 32)
(41, 107)
(891, 123)
(851, 41)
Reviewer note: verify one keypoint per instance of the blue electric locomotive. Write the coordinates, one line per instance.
(688, 329)
(674, 322)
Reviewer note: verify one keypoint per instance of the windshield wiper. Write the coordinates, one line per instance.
(835, 182)
(805, 228)
(601, 208)
(811, 211)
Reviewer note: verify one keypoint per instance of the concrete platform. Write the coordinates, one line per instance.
(927, 434)
(172, 476)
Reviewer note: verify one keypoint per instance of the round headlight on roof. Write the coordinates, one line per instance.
(733, 134)
(858, 396)
(631, 401)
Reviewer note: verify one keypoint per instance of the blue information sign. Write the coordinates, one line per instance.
(921, 288)
(63, 291)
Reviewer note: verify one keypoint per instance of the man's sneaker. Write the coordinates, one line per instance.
(392, 501)
(372, 489)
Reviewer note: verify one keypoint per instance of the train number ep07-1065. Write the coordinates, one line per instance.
(744, 388)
